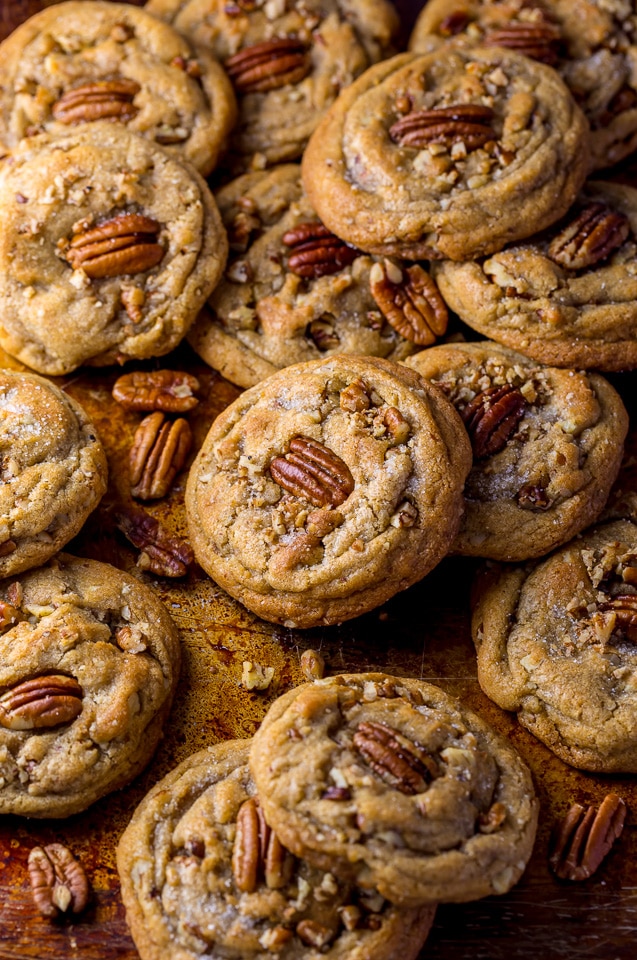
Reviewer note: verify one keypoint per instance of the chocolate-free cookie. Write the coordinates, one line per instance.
(88, 60)
(53, 470)
(547, 446)
(287, 62)
(447, 154)
(109, 247)
(326, 489)
(556, 644)
(391, 781)
(202, 873)
(567, 297)
(590, 43)
(89, 661)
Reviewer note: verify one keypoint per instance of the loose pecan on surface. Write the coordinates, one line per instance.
(468, 122)
(409, 300)
(125, 244)
(161, 553)
(397, 761)
(312, 665)
(99, 100)
(585, 836)
(258, 854)
(316, 252)
(492, 417)
(539, 39)
(41, 702)
(588, 239)
(313, 471)
(58, 881)
(172, 391)
(159, 452)
(268, 65)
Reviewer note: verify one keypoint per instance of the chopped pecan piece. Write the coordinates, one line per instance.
(468, 122)
(9, 616)
(323, 334)
(314, 934)
(533, 497)
(159, 452)
(58, 881)
(492, 417)
(161, 553)
(624, 606)
(7, 547)
(337, 793)
(455, 22)
(40, 703)
(409, 301)
(312, 471)
(397, 761)
(539, 40)
(125, 244)
(258, 853)
(169, 390)
(594, 233)
(493, 819)
(316, 252)
(585, 837)
(99, 100)
(355, 397)
(268, 65)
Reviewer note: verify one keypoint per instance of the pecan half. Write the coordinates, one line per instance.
(397, 761)
(594, 233)
(124, 244)
(312, 471)
(169, 390)
(41, 702)
(257, 852)
(585, 837)
(161, 553)
(100, 100)
(539, 40)
(409, 301)
(159, 452)
(624, 606)
(469, 122)
(492, 417)
(58, 881)
(268, 65)
(316, 252)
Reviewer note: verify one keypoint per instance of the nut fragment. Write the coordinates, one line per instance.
(312, 471)
(312, 665)
(257, 853)
(624, 606)
(455, 22)
(493, 819)
(355, 397)
(538, 40)
(585, 837)
(316, 252)
(161, 553)
(159, 452)
(268, 65)
(58, 881)
(492, 417)
(466, 122)
(9, 616)
(323, 334)
(256, 677)
(100, 100)
(397, 761)
(169, 390)
(532, 496)
(411, 302)
(125, 244)
(314, 934)
(40, 703)
(7, 547)
(590, 237)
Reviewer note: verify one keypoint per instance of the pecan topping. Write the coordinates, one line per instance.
(624, 607)
(268, 65)
(314, 934)
(316, 252)
(312, 471)
(100, 100)
(337, 793)
(42, 702)
(409, 301)
(161, 554)
(590, 237)
(124, 244)
(468, 122)
(159, 452)
(7, 547)
(355, 397)
(9, 616)
(258, 853)
(492, 417)
(493, 819)
(585, 837)
(323, 334)
(58, 881)
(396, 760)
(455, 22)
(533, 497)
(539, 40)
(169, 390)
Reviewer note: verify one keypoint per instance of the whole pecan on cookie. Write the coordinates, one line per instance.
(268, 65)
(410, 301)
(161, 553)
(41, 702)
(58, 880)
(160, 449)
(588, 239)
(313, 471)
(99, 100)
(585, 837)
(124, 244)
(172, 391)
(316, 252)
(492, 417)
(470, 123)
(397, 761)
(258, 854)
(537, 39)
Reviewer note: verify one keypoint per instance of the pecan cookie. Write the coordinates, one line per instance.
(203, 874)
(447, 154)
(109, 247)
(89, 659)
(294, 292)
(82, 61)
(394, 783)
(323, 491)
(591, 43)
(53, 470)
(556, 643)
(547, 446)
(287, 61)
(567, 297)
